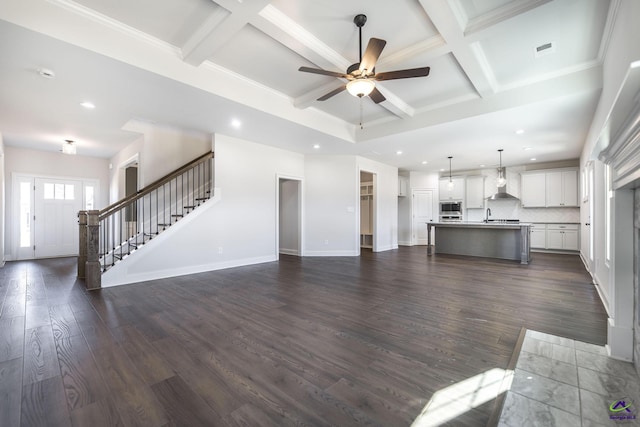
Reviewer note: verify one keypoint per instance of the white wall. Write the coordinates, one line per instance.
(613, 279)
(44, 163)
(332, 200)
(236, 229)
(624, 48)
(385, 202)
(162, 149)
(2, 202)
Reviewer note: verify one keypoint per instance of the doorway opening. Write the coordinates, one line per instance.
(367, 210)
(289, 225)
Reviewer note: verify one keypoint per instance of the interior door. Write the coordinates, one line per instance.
(422, 213)
(55, 224)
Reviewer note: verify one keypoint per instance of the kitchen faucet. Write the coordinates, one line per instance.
(488, 215)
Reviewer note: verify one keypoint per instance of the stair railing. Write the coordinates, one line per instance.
(109, 235)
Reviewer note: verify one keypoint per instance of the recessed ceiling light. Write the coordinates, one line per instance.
(424, 162)
(527, 148)
(533, 159)
(441, 170)
(236, 123)
(316, 146)
(88, 105)
(399, 152)
(46, 73)
(519, 131)
(481, 166)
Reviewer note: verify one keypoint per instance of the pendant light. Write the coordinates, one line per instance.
(501, 181)
(450, 184)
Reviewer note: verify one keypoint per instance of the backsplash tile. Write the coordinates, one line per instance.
(511, 209)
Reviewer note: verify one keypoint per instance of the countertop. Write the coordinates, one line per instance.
(479, 224)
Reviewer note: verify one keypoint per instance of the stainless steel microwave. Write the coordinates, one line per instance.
(450, 208)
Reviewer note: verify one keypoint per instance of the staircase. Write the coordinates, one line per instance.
(110, 235)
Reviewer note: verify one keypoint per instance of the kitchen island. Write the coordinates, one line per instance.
(482, 239)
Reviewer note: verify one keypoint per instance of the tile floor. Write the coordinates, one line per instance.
(562, 382)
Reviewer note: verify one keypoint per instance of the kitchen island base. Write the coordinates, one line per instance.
(502, 241)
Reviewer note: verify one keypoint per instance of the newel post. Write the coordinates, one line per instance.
(82, 243)
(93, 271)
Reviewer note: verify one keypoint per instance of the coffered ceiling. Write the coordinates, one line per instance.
(198, 64)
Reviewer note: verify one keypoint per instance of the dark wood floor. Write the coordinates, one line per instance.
(311, 341)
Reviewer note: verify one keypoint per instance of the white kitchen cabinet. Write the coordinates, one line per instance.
(550, 188)
(562, 236)
(403, 186)
(538, 237)
(474, 192)
(562, 188)
(455, 193)
(533, 192)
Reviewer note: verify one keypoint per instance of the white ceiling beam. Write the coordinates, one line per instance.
(289, 33)
(309, 98)
(446, 22)
(395, 104)
(507, 11)
(432, 48)
(219, 29)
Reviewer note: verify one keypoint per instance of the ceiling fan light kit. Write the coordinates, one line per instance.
(360, 87)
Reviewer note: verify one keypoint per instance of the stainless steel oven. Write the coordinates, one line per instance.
(450, 208)
(450, 211)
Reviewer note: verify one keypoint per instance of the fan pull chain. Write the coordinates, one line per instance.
(361, 126)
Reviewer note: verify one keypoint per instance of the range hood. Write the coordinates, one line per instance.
(502, 191)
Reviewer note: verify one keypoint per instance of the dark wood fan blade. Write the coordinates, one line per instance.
(332, 93)
(371, 54)
(376, 96)
(323, 72)
(403, 74)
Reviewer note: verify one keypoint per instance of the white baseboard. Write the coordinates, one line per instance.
(405, 243)
(386, 248)
(330, 253)
(173, 272)
(289, 251)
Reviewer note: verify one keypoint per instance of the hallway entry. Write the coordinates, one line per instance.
(289, 236)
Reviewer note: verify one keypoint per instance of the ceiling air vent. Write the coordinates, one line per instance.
(544, 49)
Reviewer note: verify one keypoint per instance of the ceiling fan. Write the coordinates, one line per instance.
(362, 76)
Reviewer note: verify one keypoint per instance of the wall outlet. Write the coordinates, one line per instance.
(326, 242)
(219, 249)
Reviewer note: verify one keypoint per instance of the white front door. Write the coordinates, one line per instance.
(55, 217)
(422, 213)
